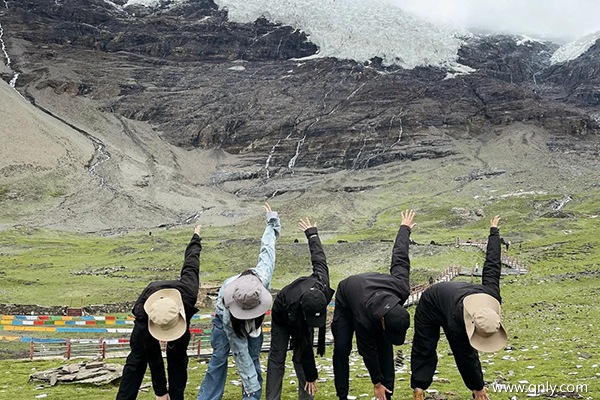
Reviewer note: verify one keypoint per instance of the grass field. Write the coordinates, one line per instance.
(551, 314)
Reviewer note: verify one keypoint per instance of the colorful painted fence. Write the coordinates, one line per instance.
(76, 324)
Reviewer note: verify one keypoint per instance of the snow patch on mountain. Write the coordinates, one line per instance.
(152, 3)
(353, 29)
(458, 70)
(574, 49)
(358, 29)
(525, 40)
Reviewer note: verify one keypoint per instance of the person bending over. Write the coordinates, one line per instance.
(372, 305)
(298, 308)
(162, 313)
(237, 326)
(470, 316)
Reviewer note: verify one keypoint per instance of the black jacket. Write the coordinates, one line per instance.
(187, 284)
(287, 310)
(442, 305)
(370, 295)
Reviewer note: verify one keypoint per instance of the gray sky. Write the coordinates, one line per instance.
(564, 19)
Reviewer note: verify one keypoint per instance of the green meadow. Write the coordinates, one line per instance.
(551, 314)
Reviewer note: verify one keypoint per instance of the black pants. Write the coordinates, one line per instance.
(280, 338)
(343, 329)
(145, 350)
(423, 359)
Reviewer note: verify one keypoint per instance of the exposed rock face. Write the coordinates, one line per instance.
(506, 58)
(203, 82)
(195, 31)
(206, 82)
(580, 78)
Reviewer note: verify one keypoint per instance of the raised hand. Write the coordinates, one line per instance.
(305, 224)
(270, 213)
(267, 207)
(407, 218)
(197, 229)
(494, 221)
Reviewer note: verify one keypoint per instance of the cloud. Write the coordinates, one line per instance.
(564, 20)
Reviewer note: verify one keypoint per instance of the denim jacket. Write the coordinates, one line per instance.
(264, 271)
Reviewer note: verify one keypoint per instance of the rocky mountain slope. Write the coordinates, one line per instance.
(174, 111)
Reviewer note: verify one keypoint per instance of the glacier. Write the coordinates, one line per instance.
(358, 29)
(363, 29)
(571, 51)
(355, 29)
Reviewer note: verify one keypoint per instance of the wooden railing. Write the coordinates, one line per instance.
(510, 261)
(104, 348)
(416, 291)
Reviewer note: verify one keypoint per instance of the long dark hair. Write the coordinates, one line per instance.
(239, 325)
(302, 337)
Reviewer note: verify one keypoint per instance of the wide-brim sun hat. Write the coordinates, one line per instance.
(166, 315)
(246, 297)
(482, 322)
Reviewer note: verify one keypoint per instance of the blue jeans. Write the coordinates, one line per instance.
(213, 384)
(254, 345)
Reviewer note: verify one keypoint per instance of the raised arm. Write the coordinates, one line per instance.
(266, 258)
(493, 264)
(317, 255)
(191, 264)
(400, 267)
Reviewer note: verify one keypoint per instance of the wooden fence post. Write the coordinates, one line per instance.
(31, 349)
(68, 355)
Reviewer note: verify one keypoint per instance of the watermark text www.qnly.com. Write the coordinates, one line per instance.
(543, 388)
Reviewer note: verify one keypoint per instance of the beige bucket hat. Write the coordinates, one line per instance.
(482, 322)
(166, 315)
(246, 297)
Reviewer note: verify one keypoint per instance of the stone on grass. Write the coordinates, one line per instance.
(94, 372)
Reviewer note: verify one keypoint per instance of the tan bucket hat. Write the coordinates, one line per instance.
(482, 322)
(246, 297)
(166, 315)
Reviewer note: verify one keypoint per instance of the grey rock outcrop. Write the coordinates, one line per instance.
(203, 81)
(274, 119)
(579, 78)
(93, 372)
